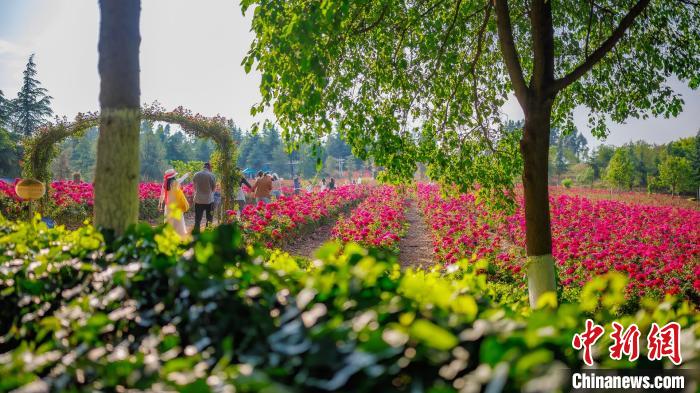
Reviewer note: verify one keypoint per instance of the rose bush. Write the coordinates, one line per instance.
(378, 221)
(71, 202)
(657, 247)
(290, 216)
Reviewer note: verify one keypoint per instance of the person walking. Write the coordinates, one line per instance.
(173, 202)
(297, 185)
(240, 195)
(323, 184)
(276, 186)
(331, 184)
(262, 187)
(204, 186)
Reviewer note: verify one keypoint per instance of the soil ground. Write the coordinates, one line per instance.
(416, 248)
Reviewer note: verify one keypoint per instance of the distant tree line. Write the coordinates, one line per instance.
(673, 167)
(160, 145)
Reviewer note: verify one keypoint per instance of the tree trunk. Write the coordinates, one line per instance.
(117, 167)
(534, 147)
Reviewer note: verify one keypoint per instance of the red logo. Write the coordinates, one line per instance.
(662, 342)
(665, 342)
(624, 342)
(586, 340)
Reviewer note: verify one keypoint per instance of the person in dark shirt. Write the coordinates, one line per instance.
(204, 186)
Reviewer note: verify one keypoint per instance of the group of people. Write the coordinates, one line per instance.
(207, 197)
(175, 204)
(330, 185)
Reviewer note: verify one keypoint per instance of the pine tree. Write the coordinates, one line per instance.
(4, 110)
(32, 105)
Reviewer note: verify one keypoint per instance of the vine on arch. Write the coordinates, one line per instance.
(41, 149)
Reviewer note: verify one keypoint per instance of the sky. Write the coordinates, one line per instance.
(191, 53)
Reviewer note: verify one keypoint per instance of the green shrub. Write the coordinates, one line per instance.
(567, 183)
(151, 313)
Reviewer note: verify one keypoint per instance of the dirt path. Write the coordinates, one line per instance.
(416, 248)
(306, 246)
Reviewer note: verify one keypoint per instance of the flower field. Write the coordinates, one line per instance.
(378, 221)
(657, 247)
(290, 216)
(633, 197)
(71, 203)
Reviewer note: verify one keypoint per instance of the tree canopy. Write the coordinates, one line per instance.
(425, 81)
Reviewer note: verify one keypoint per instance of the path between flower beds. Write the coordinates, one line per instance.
(416, 248)
(306, 246)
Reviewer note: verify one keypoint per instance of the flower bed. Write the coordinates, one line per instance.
(290, 216)
(378, 221)
(71, 203)
(658, 247)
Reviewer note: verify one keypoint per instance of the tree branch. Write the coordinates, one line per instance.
(510, 53)
(373, 24)
(588, 30)
(604, 48)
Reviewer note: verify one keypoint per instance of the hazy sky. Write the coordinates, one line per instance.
(191, 53)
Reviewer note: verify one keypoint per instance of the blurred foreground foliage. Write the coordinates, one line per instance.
(151, 313)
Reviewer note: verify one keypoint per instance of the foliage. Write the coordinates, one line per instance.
(675, 173)
(585, 174)
(620, 172)
(32, 106)
(151, 313)
(10, 153)
(410, 82)
(5, 110)
(646, 160)
(152, 153)
(183, 167)
(567, 183)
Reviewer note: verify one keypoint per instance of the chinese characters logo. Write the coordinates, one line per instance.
(661, 342)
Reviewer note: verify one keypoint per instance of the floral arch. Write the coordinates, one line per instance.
(42, 148)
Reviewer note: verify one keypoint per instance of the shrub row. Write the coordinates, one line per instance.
(151, 313)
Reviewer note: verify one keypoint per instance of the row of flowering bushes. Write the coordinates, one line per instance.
(149, 313)
(64, 192)
(634, 197)
(71, 202)
(291, 216)
(657, 247)
(379, 221)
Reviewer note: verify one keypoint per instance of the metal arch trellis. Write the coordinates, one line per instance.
(42, 147)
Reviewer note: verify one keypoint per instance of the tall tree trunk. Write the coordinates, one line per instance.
(534, 147)
(117, 167)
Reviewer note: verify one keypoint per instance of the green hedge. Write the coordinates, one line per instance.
(150, 313)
